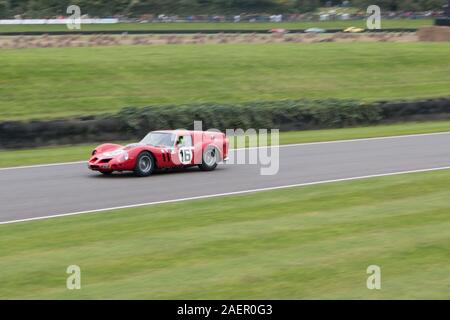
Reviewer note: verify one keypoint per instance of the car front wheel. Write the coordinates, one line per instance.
(145, 165)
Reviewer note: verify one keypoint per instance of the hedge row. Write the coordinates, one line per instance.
(133, 123)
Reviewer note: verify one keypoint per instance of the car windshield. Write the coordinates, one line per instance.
(165, 139)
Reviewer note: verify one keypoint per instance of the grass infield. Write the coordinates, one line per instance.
(47, 83)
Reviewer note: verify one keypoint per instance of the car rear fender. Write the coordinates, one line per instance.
(219, 141)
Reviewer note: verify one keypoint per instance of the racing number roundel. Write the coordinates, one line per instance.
(185, 155)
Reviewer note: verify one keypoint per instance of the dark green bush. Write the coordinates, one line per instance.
(134, 123)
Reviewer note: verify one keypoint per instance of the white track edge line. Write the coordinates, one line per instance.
(280, 146)
(225, 194)
(356, 140)
(43, 165)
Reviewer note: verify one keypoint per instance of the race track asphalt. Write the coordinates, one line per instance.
(52, 190)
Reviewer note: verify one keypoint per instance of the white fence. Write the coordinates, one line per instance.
(56, 21)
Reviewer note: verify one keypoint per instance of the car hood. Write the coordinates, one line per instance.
(119, 150)
(132, 146)
(139, 145)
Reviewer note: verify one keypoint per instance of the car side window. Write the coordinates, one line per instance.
(184, 141)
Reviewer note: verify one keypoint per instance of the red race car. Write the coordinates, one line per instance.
(162, 150)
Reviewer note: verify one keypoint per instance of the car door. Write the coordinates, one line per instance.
(184, 149)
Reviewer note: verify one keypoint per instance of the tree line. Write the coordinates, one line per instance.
(136, 8)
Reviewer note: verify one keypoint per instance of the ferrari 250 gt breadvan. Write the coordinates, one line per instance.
(162, 150)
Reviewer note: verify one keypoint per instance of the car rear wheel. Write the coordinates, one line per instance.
(210, 159)
(145, 165)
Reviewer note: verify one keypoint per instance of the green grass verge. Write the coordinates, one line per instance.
(81, 152)
(298, 243)
(397, 23)
(60, 82)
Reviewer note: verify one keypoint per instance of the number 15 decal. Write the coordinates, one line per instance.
(185, 155)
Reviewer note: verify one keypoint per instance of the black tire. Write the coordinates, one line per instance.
(106, 173)
(145, 164)
(208, 163)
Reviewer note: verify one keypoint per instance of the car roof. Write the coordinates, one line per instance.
(179, 131)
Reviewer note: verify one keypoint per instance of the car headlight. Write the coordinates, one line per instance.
(121, 155)
(124, 156)
(114, 153)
